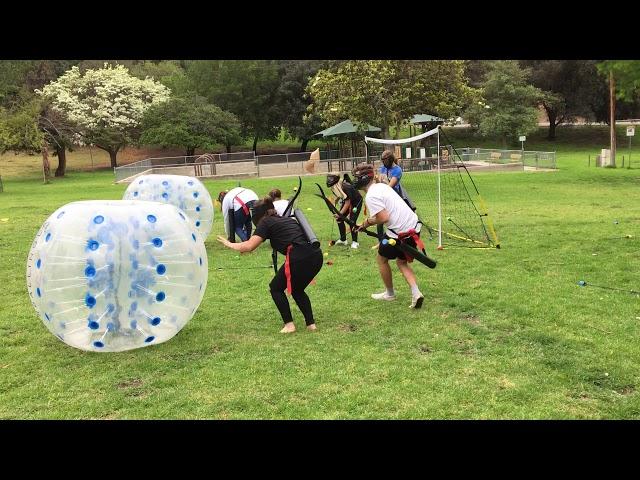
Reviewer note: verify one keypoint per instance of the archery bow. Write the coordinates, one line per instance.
(413, 252)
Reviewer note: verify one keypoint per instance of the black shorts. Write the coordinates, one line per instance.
(393, 251)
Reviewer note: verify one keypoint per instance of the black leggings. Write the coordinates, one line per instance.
(353, 217)
(305, 263)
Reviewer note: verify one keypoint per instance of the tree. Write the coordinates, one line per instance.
(190, 123)
(624, 82)
(246, 88)
(571, 89)
(293, 101)
(105, 105)
(19, 132)
(388, 93)
(509, 106)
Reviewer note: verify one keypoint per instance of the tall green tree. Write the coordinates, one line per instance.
(388, 92)
(510, 103)
(246, 88)
(293, 101)
(572, 88)
(190, 123)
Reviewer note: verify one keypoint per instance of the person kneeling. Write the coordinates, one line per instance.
(302, 261)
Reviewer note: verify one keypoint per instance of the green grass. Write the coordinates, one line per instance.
(502, 334)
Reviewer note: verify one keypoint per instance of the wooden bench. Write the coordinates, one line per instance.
(495, 156)
(516, 157)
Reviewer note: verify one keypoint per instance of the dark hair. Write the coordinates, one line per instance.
(262, 208)
(275, 194)
(388, 158)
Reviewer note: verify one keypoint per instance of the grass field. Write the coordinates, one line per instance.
(502, 334)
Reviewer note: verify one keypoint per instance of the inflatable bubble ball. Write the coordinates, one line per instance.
(186, 193)
(115, 275)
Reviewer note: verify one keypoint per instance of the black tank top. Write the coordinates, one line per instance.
(281, 231)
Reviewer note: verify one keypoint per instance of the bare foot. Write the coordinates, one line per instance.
(288, 328)
(312, 327)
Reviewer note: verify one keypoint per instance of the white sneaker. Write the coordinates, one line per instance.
(416, 301)
(341, 242)
(355, 245)
(383, 296)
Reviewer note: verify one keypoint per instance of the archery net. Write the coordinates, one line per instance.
(447, 199)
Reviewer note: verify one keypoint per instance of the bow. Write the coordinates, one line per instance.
(413, 252)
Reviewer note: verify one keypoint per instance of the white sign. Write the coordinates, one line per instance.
(523, 138)
(631, 131)
(423, 153)
(407, 152)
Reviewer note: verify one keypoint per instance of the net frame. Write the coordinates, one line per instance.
(491, 237)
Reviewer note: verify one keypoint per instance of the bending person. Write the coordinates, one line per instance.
(302, 263)
(241, 200)
(386, 207)
(280, 205)
(350, 206)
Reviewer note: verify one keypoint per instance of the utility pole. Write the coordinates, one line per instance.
(612, 116)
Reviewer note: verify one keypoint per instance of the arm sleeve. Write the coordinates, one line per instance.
(375, 203)
(396, 172)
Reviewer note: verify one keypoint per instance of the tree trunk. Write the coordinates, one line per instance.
(255, 145)
(303, 147)
(112, 156)
(552, 115)
(504, 142)
(46, 168)
(228, 145)
(62, 161)
(191, 151)
(612, 116)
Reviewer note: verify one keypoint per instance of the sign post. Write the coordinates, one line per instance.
(522, 140)
(631, 131)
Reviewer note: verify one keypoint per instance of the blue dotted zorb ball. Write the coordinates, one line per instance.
(186, 193)
(116, 275)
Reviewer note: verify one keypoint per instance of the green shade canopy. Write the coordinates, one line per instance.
(345, 127)
(425, 118)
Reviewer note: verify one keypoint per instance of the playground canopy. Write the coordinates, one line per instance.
(348, 137)
(346, 127)
(421, 118)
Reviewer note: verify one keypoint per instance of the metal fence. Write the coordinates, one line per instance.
(193, 162)
(524, 157)
(246, 164)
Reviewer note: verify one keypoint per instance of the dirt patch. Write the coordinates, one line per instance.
(425, 349)
(626, 390)
(135, 383)
(471, 319)
(347, 327)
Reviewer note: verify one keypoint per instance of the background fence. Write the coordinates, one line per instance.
(247, 164)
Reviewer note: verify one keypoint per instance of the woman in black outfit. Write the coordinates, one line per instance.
(302, 261)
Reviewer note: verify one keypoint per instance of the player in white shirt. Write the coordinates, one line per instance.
(241, 200)
(279, 204)
(385, 206)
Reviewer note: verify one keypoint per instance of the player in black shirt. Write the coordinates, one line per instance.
(302, 261)
(350, 206)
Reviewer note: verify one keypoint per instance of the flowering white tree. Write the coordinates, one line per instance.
(105, 105)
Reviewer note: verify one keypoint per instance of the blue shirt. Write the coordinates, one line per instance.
(394, 171)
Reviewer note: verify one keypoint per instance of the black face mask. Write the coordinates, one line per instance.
(332, 180)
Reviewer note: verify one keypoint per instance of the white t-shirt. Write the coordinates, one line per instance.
(381, 196)
(281, 206)
(229, 200)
